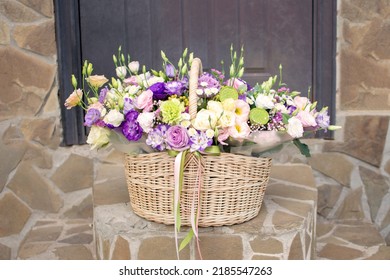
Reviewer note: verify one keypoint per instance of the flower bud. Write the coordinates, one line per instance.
(89, 69)
(163, 56)
(74, 81)
(184, 69)
(123, 58)
(134, 67)
(180, 63)
(231, 70)
(84, 71)
(114, 83)
(185, 52)
(114, 59)
(191, 58)
(241, 72)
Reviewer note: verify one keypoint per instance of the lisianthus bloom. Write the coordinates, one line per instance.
(158, 90)
(265, 101)
(96, 81)
(74, 99)
(242, 110)
(174, 87)
(156, 137)
(121, 72)
(134, 66)
(146, 121)
(200, 141)
(238, 84)
(114, 118)
(307, 119)
(323, 119)
(132, 130)
(294, 127)
(171, 111)
(170, 70)
(177, 138)
(239, 131)
(145, 101)
(91, 117)
(98, 137)
(208, 86)
(301, 102)
(205, 119)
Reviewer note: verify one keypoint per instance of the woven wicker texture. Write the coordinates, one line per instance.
(232, 188)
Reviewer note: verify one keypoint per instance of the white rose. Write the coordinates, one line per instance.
(114, 118)
(295, 127)
(205, 119)
(121, 72)
(146, 121)
(98, 137)
(265, 101)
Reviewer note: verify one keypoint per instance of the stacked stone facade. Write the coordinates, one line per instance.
(46, 196)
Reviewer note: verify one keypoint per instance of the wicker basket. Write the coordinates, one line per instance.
(232, 186)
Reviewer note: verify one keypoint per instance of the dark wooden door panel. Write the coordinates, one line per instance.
(273, 32)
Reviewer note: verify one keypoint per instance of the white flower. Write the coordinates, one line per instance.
(134, 67)
(114, 118)
(295, 127)
(307, 119)
(265, 101)
(98, 137)
(132, 90)
(215, 107)
(229, 105)
(205, 119)
(210, 133)
(228, 119)
(153, 80)
(281, 108)
(121, 72)
(146, 121)
(192, 132)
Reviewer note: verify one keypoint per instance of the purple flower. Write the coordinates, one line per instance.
(132, 130)
(103, 94)
(158, 90)
(208, 86)
(177, 138)
(132, 115)
(127, 105)
(157, 137)
(91, 117)
(170, 70)
(174, 87)
(200, 141)
(242, 97)
(323, 119)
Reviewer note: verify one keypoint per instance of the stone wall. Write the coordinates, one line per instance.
(354, 183)
(45, 189)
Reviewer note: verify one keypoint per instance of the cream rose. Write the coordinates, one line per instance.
(98, 137)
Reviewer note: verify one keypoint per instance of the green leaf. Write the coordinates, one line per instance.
(303, 148)
(186, 240)
(286, 117)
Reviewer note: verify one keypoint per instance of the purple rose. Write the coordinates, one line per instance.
(177, 138)
(174, 87)
(132, 130)
(158, 90)
(91, 117)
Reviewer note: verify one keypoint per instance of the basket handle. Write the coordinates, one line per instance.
(195, 72)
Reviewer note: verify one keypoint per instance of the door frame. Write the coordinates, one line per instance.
(68, 37)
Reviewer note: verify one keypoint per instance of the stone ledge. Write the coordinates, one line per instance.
(284, 228)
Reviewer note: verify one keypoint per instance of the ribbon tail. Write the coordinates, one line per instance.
(200, 180)
(178, 176)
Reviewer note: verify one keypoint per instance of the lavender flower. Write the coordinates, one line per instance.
(200, 141)
(323, 119)
(157, 137)
(127, 105)
(170, 70)
(158, 90)
(208, 86)
(132, 115)
(177, 138)
(91, 117)
(132, 130)
(174, 87)
(103, 94)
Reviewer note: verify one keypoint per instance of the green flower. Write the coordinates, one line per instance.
(171, 111)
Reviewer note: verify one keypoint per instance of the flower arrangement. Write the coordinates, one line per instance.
(151, 107)
(142, 111)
